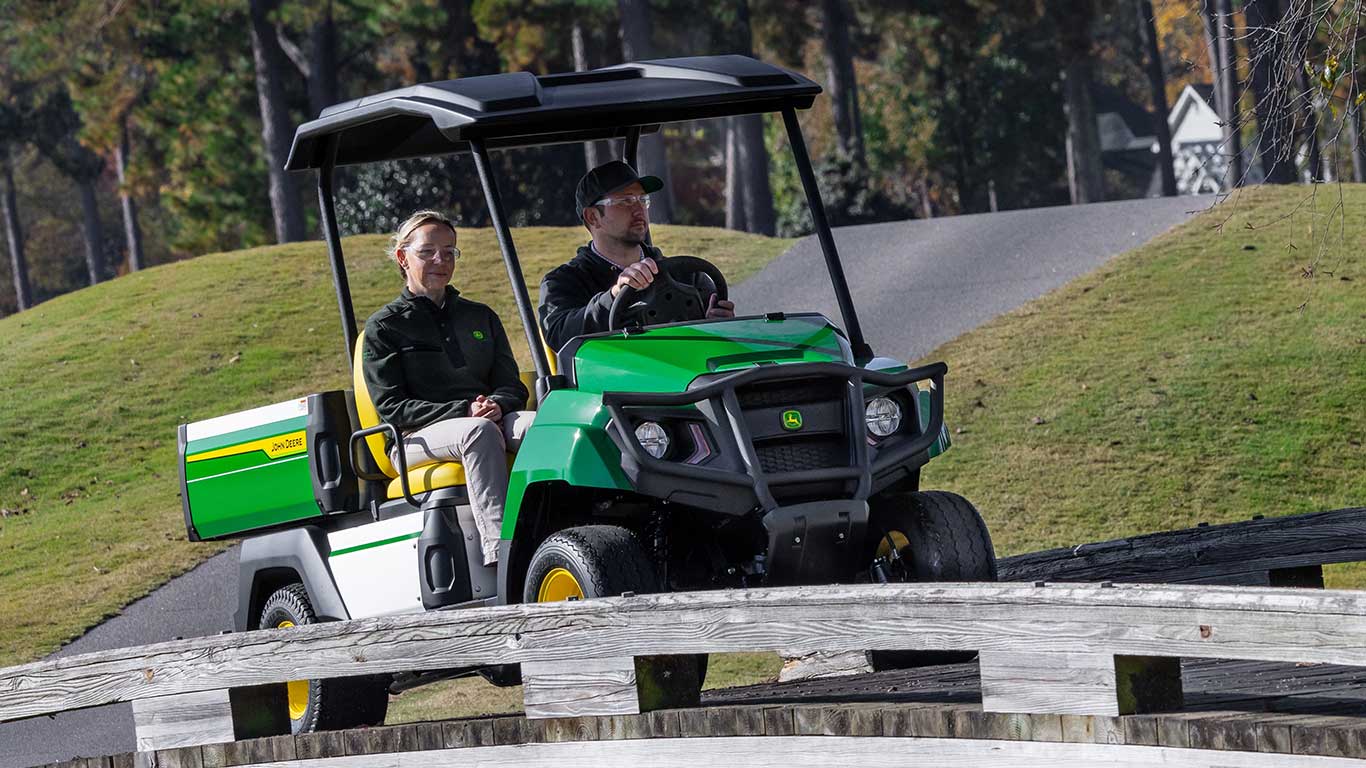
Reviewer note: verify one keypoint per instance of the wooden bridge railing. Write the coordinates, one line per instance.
(1285, 551)
(1055, 648)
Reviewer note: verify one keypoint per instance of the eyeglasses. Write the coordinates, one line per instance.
(643, 200)
(432, 254)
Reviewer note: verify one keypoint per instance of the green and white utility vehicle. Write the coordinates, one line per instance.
(671, 453)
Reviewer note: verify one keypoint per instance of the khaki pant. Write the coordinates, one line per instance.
(482, 446)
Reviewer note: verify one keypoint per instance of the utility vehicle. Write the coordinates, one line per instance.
(669, 453)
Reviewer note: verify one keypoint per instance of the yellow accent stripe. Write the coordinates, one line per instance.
(275, 447)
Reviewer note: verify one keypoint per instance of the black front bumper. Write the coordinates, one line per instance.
(754, 465)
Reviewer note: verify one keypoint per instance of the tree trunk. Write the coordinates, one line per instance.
(746, 153)
(92, 230)
(132, 233)
(1086, 176)
(1275, 123)
(9, 211)
(1228, 59)
(276, 130)
(323, 89)
(752, 157)
(1157, 81)
(1309, 129)
(1218, 46)
(839, 64)
(595, 153)
(1353, 123)
(735, 204)
(654, 160)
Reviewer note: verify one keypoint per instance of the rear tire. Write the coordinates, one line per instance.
(331, 704)
(940, 536)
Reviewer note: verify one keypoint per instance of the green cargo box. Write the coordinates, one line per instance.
(266, 467)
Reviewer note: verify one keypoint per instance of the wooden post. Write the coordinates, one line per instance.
(1079, 683)
(620, 685)
(210, 717)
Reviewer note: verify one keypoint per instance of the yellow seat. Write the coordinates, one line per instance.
(428, 477)
(446, 474)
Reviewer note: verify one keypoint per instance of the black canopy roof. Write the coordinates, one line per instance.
(521, 109)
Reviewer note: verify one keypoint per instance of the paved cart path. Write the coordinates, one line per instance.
(916, 285)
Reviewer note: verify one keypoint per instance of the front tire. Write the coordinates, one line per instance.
(596, 561)
(323, 705)
(589, 561)
(935, 536)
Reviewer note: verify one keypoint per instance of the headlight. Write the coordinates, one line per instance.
(653, 439)
(883, 416)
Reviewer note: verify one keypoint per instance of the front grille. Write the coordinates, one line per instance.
(786, 394)
(795, 455)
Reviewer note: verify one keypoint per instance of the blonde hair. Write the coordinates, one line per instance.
(404, 235)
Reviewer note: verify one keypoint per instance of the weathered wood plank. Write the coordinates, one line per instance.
(1059, 683)
(209, 717)
(588, 686)
(1132, 620)
(1247, 549)
(624, 727)
(821, 664)
(811, 751)
(325, 744)
(188, 719)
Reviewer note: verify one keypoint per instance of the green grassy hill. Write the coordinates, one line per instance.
(96, 381)
(1216, 373)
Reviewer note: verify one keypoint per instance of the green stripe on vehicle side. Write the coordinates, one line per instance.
(215, 476)
(196, 470)
(270, 494)
(273, 429)
(373, 544)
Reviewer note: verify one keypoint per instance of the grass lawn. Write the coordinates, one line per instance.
(1216, 373)
(96, 381)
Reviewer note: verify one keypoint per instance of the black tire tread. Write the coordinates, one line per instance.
(955, 537)
(611, 558)
(953, 543)
(336, 703)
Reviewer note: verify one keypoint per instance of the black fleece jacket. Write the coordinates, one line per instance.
(576, 298)
(425, 363)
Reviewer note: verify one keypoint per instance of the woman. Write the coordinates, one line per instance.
(440, 370)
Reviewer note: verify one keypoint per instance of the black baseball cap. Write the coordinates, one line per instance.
(608, 178)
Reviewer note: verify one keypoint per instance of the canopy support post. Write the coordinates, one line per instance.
(862, 352)
(514, 268)
(631, 150)
(332, 234)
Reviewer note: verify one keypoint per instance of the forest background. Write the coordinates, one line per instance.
(137, 132)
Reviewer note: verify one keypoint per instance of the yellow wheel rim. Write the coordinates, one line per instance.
(558, 585)
(898, 538)
(298, 689)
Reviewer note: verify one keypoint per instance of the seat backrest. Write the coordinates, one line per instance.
(365, 411)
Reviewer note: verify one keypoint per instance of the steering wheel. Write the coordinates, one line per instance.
(680, 292)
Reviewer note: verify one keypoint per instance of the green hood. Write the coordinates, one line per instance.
(667, 359)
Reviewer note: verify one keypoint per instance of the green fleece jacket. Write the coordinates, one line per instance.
(425, 363)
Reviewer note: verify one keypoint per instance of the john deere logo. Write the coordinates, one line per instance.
(792, 420)
(479, 335)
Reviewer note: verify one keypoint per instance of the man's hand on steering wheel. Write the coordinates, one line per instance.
(638, 276)
(719, 308)
(680, 288)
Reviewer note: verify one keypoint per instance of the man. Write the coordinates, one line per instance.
(613, 204)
